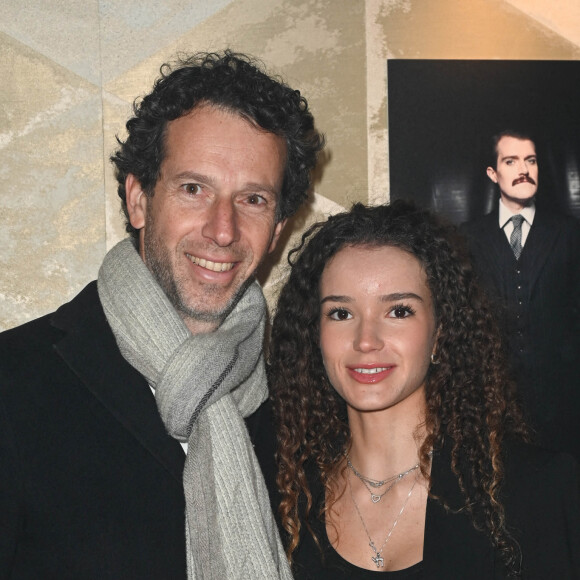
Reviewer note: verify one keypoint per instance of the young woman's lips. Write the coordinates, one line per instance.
(369, 374)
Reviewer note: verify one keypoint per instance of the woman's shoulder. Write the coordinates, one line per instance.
(541, 499)
(537, 482)
(529, 465)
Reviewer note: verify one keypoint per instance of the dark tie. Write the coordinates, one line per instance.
(516, 236)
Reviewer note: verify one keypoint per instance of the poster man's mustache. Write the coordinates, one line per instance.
(523, 179)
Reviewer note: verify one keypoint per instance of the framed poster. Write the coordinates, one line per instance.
(442, 117)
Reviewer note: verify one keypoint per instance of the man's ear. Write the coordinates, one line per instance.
(136, 202)
(277, 231)
(492, 174)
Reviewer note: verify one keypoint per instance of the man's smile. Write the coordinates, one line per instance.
(209, 265)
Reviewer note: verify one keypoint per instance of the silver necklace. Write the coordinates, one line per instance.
(367, 481)
(377, 558)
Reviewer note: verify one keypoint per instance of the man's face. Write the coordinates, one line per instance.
(212, 217)
(516, 172)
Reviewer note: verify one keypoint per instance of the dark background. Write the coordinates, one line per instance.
(443, 113)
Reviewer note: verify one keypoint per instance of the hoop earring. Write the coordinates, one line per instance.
(434, 361)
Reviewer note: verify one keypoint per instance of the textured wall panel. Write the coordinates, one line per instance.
(51, 183)
(66, 32)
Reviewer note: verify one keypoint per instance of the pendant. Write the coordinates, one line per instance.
(378, 560)
(375, 498)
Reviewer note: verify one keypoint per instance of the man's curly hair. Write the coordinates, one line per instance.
(469, 400)
(233, 82)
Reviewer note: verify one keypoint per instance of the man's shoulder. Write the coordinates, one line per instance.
(35, 338)
(478, 230)
(555, 218)
(26, 331)
(86, 298)
(482, 222)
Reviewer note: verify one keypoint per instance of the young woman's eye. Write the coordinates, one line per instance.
(339, 314)
(401, 311)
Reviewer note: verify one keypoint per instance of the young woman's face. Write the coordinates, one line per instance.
(377, 326)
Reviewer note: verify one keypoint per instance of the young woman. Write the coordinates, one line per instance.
(400, 447)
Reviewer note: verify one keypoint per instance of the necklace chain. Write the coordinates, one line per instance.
(377, 558)
(372, 482)
(367, 481)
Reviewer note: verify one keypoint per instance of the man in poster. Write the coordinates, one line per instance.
(528, 257)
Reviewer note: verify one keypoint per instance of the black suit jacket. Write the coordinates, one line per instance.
(90, 483)
(545, 345)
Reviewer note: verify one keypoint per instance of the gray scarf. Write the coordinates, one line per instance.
(204, 385)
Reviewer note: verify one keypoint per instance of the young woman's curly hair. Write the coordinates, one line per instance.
(233, 82)
(469, 400)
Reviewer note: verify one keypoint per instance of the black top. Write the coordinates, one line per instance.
(310, 566)
(539, 494)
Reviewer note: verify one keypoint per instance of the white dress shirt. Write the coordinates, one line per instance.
(507, 225)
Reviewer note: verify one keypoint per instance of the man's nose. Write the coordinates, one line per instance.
(221, 224)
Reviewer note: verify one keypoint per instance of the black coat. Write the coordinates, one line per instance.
(90, 483)
(541, 320)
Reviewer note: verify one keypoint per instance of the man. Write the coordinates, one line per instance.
(93, 480)
(528, 256)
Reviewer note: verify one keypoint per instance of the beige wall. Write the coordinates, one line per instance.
(71, 68)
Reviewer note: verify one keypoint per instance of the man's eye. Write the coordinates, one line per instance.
(509, 162)
(192, 188)
(256, 199)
